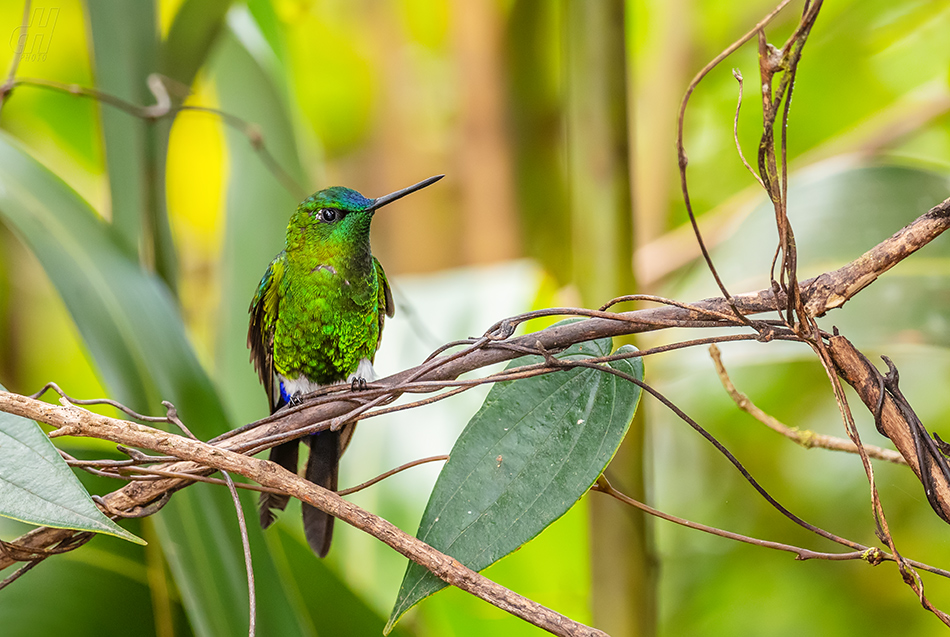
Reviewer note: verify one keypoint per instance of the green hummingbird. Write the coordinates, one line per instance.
(317, 319)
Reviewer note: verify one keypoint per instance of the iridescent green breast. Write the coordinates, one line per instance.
(326, 324)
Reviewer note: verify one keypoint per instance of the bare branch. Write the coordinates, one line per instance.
(872, 555)
(804, 437)
(869, 384)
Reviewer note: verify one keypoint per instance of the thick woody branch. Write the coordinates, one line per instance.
(74, 421)
(823, 293)
(832, 289)
(868, 382)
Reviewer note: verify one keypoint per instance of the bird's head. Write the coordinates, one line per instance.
(338, 217)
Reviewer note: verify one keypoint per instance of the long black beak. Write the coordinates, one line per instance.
(379, 202)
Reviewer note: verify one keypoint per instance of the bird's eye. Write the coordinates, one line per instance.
(328, 215)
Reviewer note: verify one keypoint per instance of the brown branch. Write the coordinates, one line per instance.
(74, 421)
(390, 473)
(872, 554)
(804, 437)
(832, 289)
(907, 571)
(164, 109)
(864, 378)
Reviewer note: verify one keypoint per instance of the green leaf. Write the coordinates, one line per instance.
(123, 41)
(38, 487)
(199, 534)
(532, 450)
(307, 578)
(117, 584)
(125, 49)
(124, 314)
(193, 32)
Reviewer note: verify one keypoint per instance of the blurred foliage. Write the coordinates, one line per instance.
(377, 95)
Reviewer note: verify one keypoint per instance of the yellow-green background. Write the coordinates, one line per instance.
(380, 94)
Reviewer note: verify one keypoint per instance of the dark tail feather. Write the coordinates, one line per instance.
(286, 456)
(321, 470)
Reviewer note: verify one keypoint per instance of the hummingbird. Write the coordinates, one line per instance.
(316, 320)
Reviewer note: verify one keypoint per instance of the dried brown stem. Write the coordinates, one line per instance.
(872, 555)
(804, 437)
(857, 371)
(681, 148)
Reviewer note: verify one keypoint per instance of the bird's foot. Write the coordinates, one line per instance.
(295, 400)
(358, 383)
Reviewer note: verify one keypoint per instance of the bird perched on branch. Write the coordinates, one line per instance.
(317, 319)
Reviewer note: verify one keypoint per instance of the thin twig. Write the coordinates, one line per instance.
(872, 555)
(567, 364)
(20, 572)
(171, 415)
(681, 149)
(735, 130)
(391, 472)
(162, 110)
(248, 561)
(804, 437)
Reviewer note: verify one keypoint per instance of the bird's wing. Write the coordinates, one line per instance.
(386, 305)
(384, 298)
(260, 332)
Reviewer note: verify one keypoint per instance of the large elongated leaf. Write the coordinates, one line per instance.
(124, 39)
(125, 51)
(323, 595)
(125, 315)
(199, 535)
(88, 588)
(532, 450)
(38, 487)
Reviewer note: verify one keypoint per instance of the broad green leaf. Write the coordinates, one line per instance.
(38, 487)
(125, 51)
(123, 41)
(125, 315)
(199, 534)
(532, 450)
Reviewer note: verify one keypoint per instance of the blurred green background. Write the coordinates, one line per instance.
(554, 122)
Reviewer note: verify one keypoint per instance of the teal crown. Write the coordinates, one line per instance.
(337, 197)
